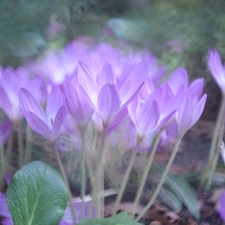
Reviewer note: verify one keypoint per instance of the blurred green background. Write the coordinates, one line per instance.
(178, 32)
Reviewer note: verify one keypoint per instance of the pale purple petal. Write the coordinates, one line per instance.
(58, 121)
(38, 125)
(221, 207)
(177, 78)
(184, 116)
(4, 210)
(134, 80)
(117, 119)
(195, 88)
(55, 101)
(106, 75)
(5, 130)
(77, 106)
(5, 103)
(147, 117)
(86, 81)
(29, 104)
(216, 68)
(198, 109)
(108, 101)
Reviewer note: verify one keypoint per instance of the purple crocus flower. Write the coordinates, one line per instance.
(216, 68)
(46, 123)
(104, 95)
(145, 115)
(77, 106)
(189, 113)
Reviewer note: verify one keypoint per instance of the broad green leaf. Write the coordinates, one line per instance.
(120, 219)
(37, 195)
(170, 199)
(185, 192)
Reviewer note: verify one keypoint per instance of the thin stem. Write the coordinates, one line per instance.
(99, 184)
(217, 153)
(62, 171)
(20, 143)
(29, 138)
(2, 167)
(146, 172)
(83, 171)
(127, 174)
(163, 178)
(214, 142)
(9, 145)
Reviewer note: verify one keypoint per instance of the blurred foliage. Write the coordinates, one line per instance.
(179, 32)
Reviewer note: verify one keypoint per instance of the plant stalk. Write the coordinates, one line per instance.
(146, 172)
(83, 171)
(163, 178)
(127, 174)
(62, 171)
(215, 139)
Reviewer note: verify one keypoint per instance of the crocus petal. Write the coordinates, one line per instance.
(134, 80)
(216, 68)
(198, 109)
(77, 106)
(58, 121)
(108, 101)
(184, 116)
(177, 78)
(55, 101)
(5, 103)
(28, 103)
(5, 129)
(147, 117)
(86, 81)
(4, 210)
(195, 88)
(38, 125)
(106, 75)
(221, 207)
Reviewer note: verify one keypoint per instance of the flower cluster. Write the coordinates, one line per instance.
(69, 90)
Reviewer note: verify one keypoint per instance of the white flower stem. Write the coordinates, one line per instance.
(29, 139)
(83, 171)
(215, 141)
(163, 178)
(9, 145)
(99, 177)
(127, 174)
(146, 172)
(62, 171)
(20, 143)
(216, 156)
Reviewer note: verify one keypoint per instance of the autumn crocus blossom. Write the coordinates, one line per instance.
(189, 113)
(145, 116)
(107, 96)
(46, 123)
(216, 68)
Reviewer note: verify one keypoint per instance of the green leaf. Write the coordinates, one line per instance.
(37, 195)
(185, 192)
(120, 219)
(170, 199)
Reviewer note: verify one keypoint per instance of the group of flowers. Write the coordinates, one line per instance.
(69, 91)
